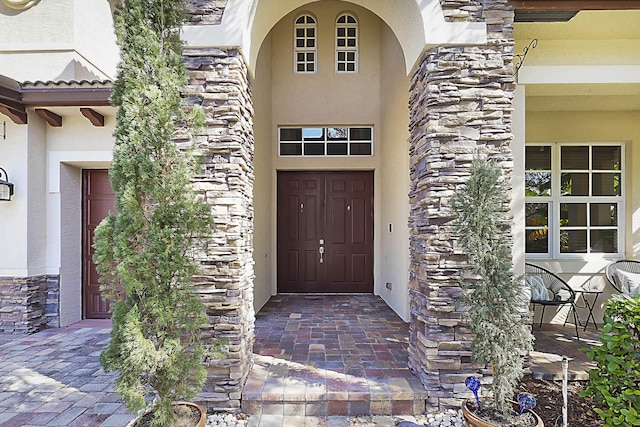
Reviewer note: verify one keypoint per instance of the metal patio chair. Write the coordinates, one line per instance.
(626, 266)
(558, 292)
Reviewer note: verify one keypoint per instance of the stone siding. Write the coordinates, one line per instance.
(460, 102)
(219, 83)
(26, 306)
(205, 12)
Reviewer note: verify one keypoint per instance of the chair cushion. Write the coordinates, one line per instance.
(630, 282)
(539, 291)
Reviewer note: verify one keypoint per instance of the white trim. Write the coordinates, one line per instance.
(584, 74)
(96, 159)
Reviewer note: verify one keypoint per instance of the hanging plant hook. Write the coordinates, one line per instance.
(522, 56)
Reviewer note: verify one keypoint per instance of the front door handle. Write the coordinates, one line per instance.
(321, 250)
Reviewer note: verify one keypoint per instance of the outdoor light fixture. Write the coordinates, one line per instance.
(6, 188)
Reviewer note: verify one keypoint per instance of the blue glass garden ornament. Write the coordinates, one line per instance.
(473, 384)
(526, 401)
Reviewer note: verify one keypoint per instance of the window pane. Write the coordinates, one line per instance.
(337, 134)
(605, 241)
(300, 20)
(575, 184)
(351, 67)
(537, 241)
(289, 149)
(537, 183)
(606, 184)
(300, 32)
(311, 32)
(341, 67)
(574, 157)
(538, 157)
(310, 68)
(341, 32)
(351, 32)
(537, 214)
(607, 157)
(300, 43)
(314, 149)
(360, 134)
(351, 43)
(313, 134)
(300, 57)
(290, 134)
(337, 149)
(604, 214)
(342, 19)
(573, 241)
(573, 214)
(341, 42)
(311, 42)
(361, 149)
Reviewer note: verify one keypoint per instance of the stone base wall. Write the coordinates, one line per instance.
(218, 82)
(460, 102)
(27, 305)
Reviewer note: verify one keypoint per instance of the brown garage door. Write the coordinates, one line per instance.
(98, 201)
(325, 232)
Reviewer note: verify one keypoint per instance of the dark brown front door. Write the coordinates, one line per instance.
(325, 232)
(98, 201)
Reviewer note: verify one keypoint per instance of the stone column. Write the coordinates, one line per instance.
(460, 102)
(219, 82)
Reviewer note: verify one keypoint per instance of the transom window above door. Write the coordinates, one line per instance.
(325, 141)
(574, 196)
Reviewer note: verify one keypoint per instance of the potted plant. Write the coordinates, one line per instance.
(496, 300)
(147, 249)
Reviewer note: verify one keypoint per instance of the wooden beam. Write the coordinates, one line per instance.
(14, 111)
(94, 117)
(50, 117)
(577, 5)
(17, 117)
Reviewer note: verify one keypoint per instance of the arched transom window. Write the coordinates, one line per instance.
(305, 49)
(346, 44)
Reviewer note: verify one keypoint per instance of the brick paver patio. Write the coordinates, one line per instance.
(318, 359)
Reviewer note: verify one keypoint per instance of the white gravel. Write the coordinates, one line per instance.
(450, 418)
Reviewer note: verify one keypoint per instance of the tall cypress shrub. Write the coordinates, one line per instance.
(147, 249)
(496, 299)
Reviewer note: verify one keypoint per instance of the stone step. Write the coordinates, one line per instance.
(317, 392)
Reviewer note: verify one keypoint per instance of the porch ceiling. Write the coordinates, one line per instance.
(580, 97)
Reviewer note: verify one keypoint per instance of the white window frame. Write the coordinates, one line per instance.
(305, 50)
(347, 50)
(556, 199)
(326, 140)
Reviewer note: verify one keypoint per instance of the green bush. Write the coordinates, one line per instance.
(495, 296)
(614, 382)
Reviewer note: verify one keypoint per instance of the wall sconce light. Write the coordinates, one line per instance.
(6, 188)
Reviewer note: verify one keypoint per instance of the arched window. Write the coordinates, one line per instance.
(346, 44)
(305, 49)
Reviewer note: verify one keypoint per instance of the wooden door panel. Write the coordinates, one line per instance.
(98, 201)
(337, 208)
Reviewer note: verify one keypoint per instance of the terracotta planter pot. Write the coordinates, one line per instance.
(473, 421)
(203, 414)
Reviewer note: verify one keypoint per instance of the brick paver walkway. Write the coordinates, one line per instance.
(54, 378)
(334, 348)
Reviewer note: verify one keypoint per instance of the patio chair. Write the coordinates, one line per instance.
(624, 276)
(548, 289)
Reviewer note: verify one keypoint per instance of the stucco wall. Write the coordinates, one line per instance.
(594, 126)
(377, 95)
(56, 40)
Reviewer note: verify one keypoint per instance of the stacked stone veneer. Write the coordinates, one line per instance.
(28, 304)
(460, 102)
(218, 82)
